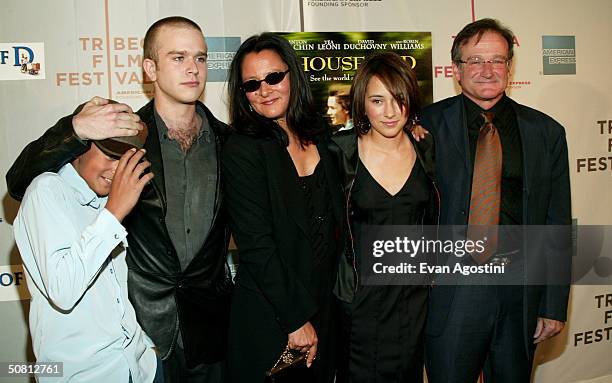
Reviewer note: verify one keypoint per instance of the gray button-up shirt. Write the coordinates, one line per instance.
(191, 183)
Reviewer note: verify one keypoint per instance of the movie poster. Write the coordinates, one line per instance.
(330, 61)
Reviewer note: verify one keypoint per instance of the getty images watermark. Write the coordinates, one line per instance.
(498, 255)
(412, 248)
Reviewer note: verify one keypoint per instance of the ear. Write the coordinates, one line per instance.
(510, 68)
(457, 72)
(150, 68)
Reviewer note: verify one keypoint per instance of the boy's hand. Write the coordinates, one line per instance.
(128, 183)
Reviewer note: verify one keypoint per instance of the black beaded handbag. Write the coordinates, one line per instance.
(290, 367)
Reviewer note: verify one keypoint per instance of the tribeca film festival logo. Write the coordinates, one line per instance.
(559, 55)
(124, 60)
(341, 3)
(603, 333)
(22, 61)
(121, 64)
(598, 163)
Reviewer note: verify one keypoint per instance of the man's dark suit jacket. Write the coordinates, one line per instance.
(546, 195)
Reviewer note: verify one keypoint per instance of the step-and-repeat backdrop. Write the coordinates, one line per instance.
(57, 54)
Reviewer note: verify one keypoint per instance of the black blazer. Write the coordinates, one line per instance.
(269, 220)
(546, 193)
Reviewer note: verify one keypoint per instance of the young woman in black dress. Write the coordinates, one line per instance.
(388, 180)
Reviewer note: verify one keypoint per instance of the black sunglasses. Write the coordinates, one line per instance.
(271, 79)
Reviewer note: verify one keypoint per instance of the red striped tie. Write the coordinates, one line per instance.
(486, 189)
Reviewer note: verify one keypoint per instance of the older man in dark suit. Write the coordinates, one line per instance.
(470, 327)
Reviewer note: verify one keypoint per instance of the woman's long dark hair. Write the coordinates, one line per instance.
(302, 117)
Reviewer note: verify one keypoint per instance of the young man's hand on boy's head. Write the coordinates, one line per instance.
(100, 119)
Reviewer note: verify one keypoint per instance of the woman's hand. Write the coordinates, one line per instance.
(305, 339)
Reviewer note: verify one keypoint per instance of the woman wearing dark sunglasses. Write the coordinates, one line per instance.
(285, 206)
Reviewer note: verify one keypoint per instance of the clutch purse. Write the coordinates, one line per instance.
(288, 358)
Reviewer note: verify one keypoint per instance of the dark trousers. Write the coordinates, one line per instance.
(176, 370)
(484, 330)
